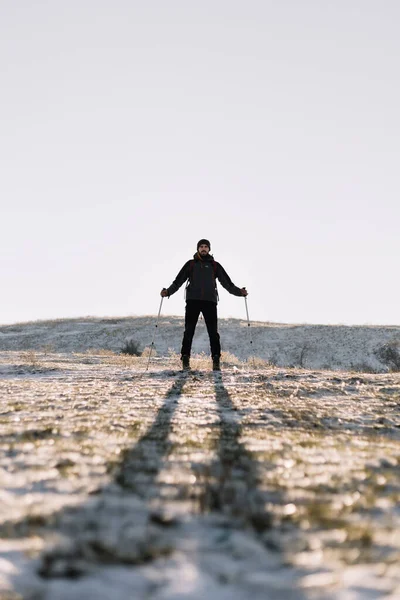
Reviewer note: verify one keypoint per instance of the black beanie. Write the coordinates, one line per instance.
(205, 242)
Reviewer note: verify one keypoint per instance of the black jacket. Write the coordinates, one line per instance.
(202, 274)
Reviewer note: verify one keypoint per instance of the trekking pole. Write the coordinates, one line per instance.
(248, 323)
(154, 334)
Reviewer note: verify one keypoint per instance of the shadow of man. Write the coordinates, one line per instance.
(234, 480)
(141, 464)
(116, 525)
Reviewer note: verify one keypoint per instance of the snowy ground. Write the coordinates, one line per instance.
(367, 348)
(265, 482)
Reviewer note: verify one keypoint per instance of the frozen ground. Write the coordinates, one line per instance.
(360, 348)
(262, 483)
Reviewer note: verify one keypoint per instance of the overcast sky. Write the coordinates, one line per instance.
(130, 129)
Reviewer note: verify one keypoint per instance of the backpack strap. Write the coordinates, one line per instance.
(215, 267)
(191, 267)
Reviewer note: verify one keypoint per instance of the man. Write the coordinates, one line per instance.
(202, 297)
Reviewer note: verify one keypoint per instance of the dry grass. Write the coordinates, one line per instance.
(203, 361)
(200, 361)
(101, 352)
(148, 350)
(30, 358)
(230, 360)
(256, 362)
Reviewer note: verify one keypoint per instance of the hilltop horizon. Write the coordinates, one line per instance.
(108, 317)
(369, 348)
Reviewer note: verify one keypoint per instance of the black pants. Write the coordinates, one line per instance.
(193, 310)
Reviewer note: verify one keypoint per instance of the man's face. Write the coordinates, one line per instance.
(204, 250)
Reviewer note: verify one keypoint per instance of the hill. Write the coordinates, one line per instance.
(373, 349)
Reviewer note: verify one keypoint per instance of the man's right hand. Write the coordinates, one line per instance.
(164, 292)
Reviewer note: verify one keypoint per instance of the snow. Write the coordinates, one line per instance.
(311, 346)
(265, 481)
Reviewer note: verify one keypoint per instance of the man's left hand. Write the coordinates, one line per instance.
(244, 292)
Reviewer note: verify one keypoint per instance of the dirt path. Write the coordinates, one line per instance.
(249, 484)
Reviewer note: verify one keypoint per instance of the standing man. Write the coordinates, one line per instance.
(201, 297)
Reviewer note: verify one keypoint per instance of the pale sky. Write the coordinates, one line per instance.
(130, 129)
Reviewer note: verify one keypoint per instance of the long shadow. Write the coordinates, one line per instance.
(235, 488)
(234, 485)
(116, 528)
(100, 530)
(141, 464)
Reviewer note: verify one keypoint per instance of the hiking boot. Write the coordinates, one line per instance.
(216, 363)
(185, 362)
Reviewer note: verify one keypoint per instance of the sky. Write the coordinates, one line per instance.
(129, 130)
